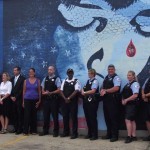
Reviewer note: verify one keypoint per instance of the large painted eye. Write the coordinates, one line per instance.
(142, 22)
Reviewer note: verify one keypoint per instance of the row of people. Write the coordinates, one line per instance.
(69, 91)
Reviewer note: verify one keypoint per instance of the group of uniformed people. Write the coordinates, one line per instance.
(65, 95)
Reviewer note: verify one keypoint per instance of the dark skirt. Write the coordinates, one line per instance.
(130, 112)
(5, 108)
(147, 111)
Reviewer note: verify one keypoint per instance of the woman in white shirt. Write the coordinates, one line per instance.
(5, 91)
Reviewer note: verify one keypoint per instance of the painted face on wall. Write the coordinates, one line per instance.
(102, 33)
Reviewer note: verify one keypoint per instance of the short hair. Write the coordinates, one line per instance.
(111, 66)
(93, 71)
(18, 68)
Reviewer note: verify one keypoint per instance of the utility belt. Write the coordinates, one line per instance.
(50, 97)
(92, 98)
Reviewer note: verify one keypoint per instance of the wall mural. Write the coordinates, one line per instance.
(79, 34)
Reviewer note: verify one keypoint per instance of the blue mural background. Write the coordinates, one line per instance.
(78, 34)
(1, 33)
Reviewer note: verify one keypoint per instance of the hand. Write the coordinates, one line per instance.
(23, 104)
(45, 92)
(145, 99)
(13, 99)
(67, 100)
(83, 93)
(37, 104)
(50, 93)
(143, 96)
(124, 102)
(1, 102)
(102, 92)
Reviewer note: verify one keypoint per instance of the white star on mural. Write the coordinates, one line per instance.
(44, 64)
(53, 50)
(23, 54)
(70, 38)
(38, 46)
(10, 61)
(13, 46)
(43, 28)
(32, 58)
(68, 53)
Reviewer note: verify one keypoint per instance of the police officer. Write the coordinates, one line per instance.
(90, 104)
(146, 98)
(69, 92)
(129, 100)
(50, 90)
(110, 91)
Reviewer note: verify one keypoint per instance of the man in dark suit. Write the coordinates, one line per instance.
(16, 97)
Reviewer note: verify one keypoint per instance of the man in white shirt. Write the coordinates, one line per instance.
(69, 89)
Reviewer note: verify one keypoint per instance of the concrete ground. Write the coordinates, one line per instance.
(35, 142)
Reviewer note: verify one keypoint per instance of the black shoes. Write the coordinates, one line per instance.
(146, 138)
(87, 137)
(64, 135)
(113, 139)
(106, 137)
(134, 138)
(128, 139)
(74, 136)
(18, 132)
(93, 138)
(43, 133)
(55, 134)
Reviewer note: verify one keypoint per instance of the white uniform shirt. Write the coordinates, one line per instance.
(5, 88)
(77, 85)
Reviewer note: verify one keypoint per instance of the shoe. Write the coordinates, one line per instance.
(18, 132)
(64, 135)
(106, 137)
(128, 139)
(34, 133)
(6, 131)
(146, 138)
(93, 138)
(87, 137)
(2, 131)
(74, 137)
(43, 133)
(114, 139)
(55, 134)
(134, 138)
(25, 134)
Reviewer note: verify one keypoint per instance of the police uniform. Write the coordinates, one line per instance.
(90, 106)
(71, 108)
(130, 108)
(51, 103)
(111, 105)
(146, 88)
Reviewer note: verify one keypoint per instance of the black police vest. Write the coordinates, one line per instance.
(127, 91)
(69, 87)
(147, 87)
(108, 82)
(50, 84)
(90, 98)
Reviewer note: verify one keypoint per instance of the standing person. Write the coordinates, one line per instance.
(90, 104)
(110, 92)
(146, 98)
(31, 101)
(16, 97)
(5, 102)
(50, 89)
(69, 89)
(129, 99)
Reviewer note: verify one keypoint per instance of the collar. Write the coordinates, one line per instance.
(91, 79)
(17, 76)
(52, 76)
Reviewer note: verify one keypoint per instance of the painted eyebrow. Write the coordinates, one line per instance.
(120, 3)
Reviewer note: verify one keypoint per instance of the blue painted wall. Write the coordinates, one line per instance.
(78, 34)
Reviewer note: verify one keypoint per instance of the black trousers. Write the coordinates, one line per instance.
(111, 115)
(70, 110)
(17, 115)
(90, 111)
(30, 116)
(51, 106)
